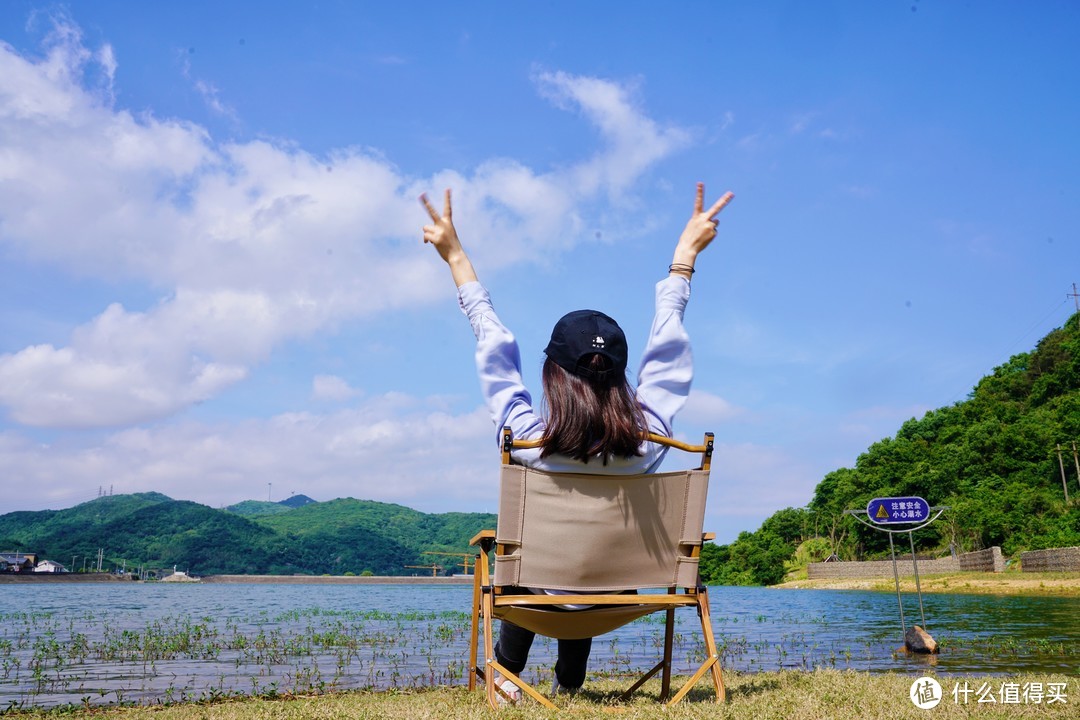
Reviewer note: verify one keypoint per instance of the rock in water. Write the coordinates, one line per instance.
(917, 640)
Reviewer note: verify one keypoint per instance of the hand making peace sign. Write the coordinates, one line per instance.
(700, 229)
(442, 234)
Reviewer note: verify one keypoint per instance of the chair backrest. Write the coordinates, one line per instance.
(577, 532)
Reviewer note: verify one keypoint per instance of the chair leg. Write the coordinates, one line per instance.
(642, 680)
(669, 638)
(493, 667)
(710, 645)
(489, 651)
(712, 655)
(474, 630)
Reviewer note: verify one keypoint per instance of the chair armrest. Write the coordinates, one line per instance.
(481, 536)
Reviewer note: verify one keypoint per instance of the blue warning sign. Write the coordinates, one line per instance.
(897, 510)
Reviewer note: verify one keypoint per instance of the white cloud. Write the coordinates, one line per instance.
(250, 243)
(752, 142)
(106, 59)
(212, 97)
(751, 480)
(207, 91)
(709, 410)
(332, 388)
(801, 121)
(635, 141)
(45, 386)
(391, 449)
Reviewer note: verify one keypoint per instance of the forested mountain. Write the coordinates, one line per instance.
(152, 530)
(991, 458)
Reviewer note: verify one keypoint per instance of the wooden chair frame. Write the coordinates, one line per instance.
(490, 602)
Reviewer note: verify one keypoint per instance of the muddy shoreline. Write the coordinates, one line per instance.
(1008, 583)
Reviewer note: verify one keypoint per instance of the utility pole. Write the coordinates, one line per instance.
(1076, 459)
(1075, 296)
(1061, 463)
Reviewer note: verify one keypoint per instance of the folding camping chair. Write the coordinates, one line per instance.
(595, 537)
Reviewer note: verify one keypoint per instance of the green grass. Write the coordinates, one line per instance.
(784, 696)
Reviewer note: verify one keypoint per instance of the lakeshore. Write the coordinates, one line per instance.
(342, 579)
(1007, 583)
(31, 578)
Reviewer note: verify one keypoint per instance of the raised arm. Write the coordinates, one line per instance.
(667, 365)
(443, 236)
(699, 232)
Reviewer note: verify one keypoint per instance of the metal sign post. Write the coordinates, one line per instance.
(905, 511)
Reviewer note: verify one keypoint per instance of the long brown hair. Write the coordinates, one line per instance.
(587, 418)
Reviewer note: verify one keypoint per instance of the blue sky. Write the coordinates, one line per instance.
(212, 281)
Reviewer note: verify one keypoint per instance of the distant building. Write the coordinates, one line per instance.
(179, 576)
(17, 562)
(49, 566)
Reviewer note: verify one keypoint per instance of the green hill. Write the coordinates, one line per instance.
(446, 531)
(371, 534)
(991, 458)
(152, 530)
(253, 508)
(68, 528)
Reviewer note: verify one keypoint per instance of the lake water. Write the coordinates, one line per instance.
(118, 642)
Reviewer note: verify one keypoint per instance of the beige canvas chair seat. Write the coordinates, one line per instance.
(595, 540)
(573, 624)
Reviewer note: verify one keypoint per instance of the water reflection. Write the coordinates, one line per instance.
(161, 643)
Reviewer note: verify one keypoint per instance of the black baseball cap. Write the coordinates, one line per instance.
(583, 333)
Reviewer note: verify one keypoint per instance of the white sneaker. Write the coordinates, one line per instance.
(513, 692)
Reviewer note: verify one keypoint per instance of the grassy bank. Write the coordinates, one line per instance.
(787, 695)
(1007, 583)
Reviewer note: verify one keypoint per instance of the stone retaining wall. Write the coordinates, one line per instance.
(988, 560)
(878, 568)
(33, 577)
(1054, 560)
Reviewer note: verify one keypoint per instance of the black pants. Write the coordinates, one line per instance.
(512, 651)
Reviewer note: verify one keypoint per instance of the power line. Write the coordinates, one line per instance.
(1039, 322)
(1008, 351)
